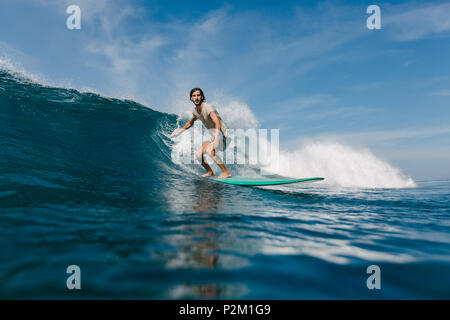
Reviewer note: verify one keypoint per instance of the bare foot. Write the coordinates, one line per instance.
(208, 174)
(224, 175)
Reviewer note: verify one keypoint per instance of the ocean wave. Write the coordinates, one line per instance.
(50, 126)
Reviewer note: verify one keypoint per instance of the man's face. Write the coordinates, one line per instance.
(196, 97)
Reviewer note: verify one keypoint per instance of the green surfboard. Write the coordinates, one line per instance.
(241, 181)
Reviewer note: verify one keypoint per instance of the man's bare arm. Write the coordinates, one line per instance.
(185, 127)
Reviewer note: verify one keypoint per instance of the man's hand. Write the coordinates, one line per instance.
(176, 133)
(185, 127)
(215, 141)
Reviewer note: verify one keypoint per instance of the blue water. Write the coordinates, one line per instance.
(87, 180)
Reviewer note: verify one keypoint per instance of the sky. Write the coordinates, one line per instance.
(310, 68)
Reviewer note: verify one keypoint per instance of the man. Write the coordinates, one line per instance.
(208, 115)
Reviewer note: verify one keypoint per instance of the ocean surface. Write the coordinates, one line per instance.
(90, 181)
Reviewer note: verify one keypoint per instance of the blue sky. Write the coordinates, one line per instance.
(310, 68)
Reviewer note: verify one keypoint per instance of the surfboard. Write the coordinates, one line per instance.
(242, 181)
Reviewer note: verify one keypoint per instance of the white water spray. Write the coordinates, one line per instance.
(340, 165)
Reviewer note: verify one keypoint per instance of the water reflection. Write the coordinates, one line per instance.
(195, 237)
(214, 226)
(193, 195)
(210, 197)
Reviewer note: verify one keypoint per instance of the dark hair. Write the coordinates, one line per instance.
(201, 92)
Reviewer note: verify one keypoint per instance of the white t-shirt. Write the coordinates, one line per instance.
(206, 118)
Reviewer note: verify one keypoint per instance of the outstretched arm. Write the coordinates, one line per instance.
(185, 127)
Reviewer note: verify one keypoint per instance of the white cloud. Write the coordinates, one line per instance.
(378, 138)
(164, 61)
(339, 112)
(408, 23)
(284, 107)
(443, 93)
(90, 10)
(309, 101)
(365, 137)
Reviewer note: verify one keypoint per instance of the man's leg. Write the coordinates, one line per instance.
(212, 153)
(201, 158)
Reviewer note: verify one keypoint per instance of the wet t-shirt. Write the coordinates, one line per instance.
(205, 117)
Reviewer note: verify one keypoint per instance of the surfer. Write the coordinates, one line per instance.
(220, 137)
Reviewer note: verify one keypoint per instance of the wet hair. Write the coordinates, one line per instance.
(201, 92)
